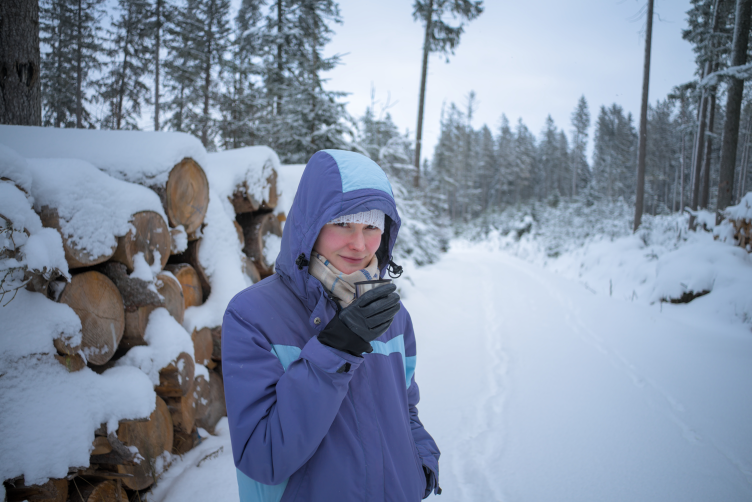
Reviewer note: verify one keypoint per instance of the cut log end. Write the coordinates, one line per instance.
(256, 229)
(187, 196)
(98, 303)
(152, 438)
(193, 295)
(176, 379)
(76, 258)
(150, 235)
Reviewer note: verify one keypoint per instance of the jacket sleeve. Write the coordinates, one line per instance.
(278, 418)
(427, 448)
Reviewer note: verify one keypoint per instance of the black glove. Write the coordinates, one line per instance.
(365, 319)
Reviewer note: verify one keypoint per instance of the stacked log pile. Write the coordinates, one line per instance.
(114, 306)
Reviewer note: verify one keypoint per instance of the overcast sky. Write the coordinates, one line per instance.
(525, 59)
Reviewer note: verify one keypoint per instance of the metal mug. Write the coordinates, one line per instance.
(363, 286)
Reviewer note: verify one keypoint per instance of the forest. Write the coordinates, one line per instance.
(255, 74)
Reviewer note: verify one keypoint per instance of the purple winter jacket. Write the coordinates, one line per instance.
(305, 425)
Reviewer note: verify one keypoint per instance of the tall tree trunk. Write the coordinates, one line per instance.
(705, 194)
(20, 86)
(643, 121)
(681, 182)
(745, 159)
(422, 98)
(121, 91)
(207, 85)
(79, 69)
(157, 47)
(733, 107)
(280, 53)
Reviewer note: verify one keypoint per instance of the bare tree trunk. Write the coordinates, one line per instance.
(157, 47)
(20, 86)
(745, 159)
(705, 193)
(79, 69)
(733, 107)
(207, 87)
(280, 53)
(643, 121)
(422, 98)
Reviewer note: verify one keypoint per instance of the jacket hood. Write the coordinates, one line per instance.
(334, 183)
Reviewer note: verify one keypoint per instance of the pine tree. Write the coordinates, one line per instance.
(505, 160)
(123, 88)
(199, 39)
(241, 101)
(524, 165)
(20, 92)
(71, 28)
(548, 172)
(442, 38)
(580, 126)
(615, 154)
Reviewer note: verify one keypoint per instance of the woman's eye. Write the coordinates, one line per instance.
(371, 227)
(341, 224)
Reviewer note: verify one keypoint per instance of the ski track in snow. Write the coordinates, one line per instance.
(654, 395)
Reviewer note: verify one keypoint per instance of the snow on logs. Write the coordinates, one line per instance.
(167, 162)
(110, 202)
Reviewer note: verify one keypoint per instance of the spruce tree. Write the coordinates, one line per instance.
(615, 154)
(580, 126)
(122, 88)
(240, 102)
(442, 38)
(72, 30)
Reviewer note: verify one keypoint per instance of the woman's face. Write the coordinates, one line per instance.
(348, 246)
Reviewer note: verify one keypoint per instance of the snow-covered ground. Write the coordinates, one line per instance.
(536, 388)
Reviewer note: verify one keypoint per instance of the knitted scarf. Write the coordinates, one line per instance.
(341, 285)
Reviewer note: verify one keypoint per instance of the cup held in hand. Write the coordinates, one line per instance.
(364, 286)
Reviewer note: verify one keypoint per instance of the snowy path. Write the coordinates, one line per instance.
(536, 389)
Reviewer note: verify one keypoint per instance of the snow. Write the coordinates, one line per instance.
(272, 247)
(288, 179)
(94, 208)
(207, 472)
(14, 168)
(165, 339)
(741, 211)
(247, 167)
(562, 394)
(24, 244)
(25, 332)
(49, 416)
(139, 157)
(221, 256)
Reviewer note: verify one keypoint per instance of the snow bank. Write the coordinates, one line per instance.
(14, 167)
(139, 157)
(94, 208)
(207, 472)
(222, 258)
(248, 167)
(165, 339)
(663, 261)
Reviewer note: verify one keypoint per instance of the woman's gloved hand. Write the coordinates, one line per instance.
(365, 319)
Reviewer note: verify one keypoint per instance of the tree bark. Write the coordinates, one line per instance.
(138, 301)
(705, 193)
(643, 121)
(422, 97)
(733, 108)
(176, 379)
(20, 85)
(54, 490)
(98, 303)
(157, 48)
(106, 491)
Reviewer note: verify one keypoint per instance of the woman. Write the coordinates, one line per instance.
(320, 388)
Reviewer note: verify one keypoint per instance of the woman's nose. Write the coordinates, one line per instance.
(358, 241)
